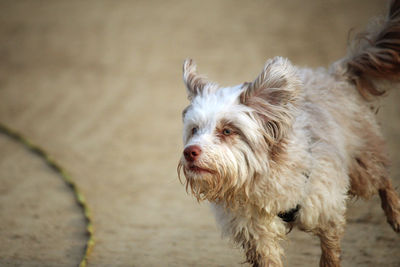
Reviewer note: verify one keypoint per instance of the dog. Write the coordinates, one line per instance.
(290, 148)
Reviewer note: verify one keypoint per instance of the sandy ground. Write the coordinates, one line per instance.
(98, 85)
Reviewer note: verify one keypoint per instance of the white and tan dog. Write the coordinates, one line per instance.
(291, 147)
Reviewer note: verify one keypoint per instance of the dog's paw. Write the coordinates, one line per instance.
(395, 225)
(394, 220)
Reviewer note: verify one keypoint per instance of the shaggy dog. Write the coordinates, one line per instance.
(289, 148)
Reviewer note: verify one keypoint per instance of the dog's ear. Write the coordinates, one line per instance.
(194, 82)
(273, 96)
(278, 84)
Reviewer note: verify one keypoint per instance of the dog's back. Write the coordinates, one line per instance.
(373, 67)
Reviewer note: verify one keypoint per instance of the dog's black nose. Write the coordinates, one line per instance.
(191, 153)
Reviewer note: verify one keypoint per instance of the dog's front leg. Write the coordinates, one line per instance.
(257, 232)
(330, 245)
(263, 250)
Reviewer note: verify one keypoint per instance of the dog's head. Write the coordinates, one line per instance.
(232, 136)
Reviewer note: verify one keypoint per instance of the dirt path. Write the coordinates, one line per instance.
(98, 85)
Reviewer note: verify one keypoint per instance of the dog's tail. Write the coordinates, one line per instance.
(374, 55)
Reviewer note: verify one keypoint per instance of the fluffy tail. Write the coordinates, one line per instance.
(375, 55)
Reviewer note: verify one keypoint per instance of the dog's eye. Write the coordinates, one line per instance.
(226, 132)
(194, 130)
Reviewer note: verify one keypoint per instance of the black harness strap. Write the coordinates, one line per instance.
(290, 215)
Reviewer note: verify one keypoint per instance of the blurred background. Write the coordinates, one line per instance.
(98, 85)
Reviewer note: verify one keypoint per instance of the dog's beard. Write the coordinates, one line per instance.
(215, 183)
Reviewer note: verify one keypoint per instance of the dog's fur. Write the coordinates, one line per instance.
(294, 137)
